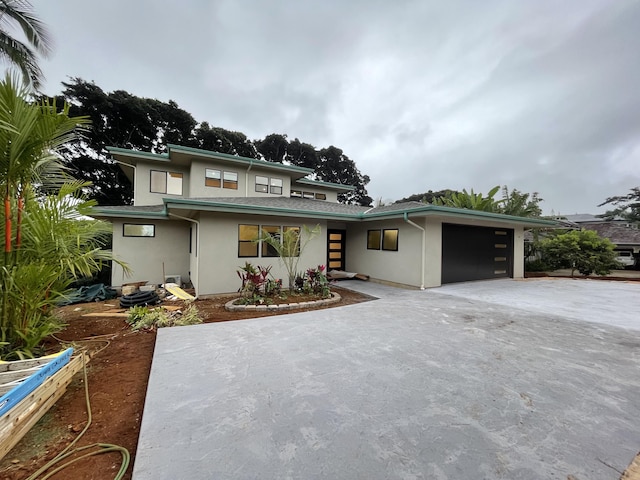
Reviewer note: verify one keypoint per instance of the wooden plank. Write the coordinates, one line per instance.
(178, 292)
(27, 412)
(171, 308)
(107, 314)
(22, 364)
(31, 383)
(633, 470)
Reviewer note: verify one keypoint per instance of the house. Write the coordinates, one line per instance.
(196, 215)
(625, 235)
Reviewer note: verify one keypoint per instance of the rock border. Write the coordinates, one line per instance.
(229, 306)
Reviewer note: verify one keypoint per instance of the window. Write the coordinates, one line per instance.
(262, 184)
(373, 239)
(387, 239)
(274, 232)
(136, 230)
(230, 180)
(247, 236)
(212, 178)
(276, 186)
(308, 195)
(321, 196)
(296, 193)
(166, 182)
(248, 243)
(390, 240)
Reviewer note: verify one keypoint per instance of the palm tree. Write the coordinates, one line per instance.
(23, 55)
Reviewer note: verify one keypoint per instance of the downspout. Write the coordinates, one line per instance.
(246, 179)
(424, 244)
(197, 285)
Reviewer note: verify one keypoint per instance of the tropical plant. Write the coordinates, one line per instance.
(471, 200)
(47, 241)
(289, 247)
(314, 282)
(581, 250)
(23, 55)
(258, 283)
(144, 318)
(520, 204)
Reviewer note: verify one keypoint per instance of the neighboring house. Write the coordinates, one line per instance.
(197, 213)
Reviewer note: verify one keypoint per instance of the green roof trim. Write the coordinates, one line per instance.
(463, 212)
(318, 183)
(138, 154)
(238, 159)
(109, 212)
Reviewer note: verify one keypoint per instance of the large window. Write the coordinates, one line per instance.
(230, 180)
(138, 230)
(268, 185)
(386, 239)
(212, 178)
(247, 236)
(166, 182)
(249, 246)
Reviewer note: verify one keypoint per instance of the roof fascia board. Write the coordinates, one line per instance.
(237, 159)
(161, 157)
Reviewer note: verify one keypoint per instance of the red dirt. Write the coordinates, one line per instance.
(117, 375)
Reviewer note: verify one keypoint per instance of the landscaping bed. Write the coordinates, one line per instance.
(117, 377)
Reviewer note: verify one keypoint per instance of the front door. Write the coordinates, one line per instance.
(335, 249)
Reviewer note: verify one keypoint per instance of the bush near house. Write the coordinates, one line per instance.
(581, 250)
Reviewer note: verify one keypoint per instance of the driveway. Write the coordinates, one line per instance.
(414, 385)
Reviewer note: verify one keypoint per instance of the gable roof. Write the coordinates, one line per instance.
(309, 208)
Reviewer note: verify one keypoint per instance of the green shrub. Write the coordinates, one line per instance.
(144, 318)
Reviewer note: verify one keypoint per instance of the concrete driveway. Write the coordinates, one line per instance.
(414, 385)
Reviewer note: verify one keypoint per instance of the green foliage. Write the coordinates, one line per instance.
(313, 282)
(472, 200)
(537, 265)
(144, 318)
(627, 206)
(520, 204)
(24, 55)
(581, 250)
(47, 242)
(429, 197)
(289, 247)
(258, 285)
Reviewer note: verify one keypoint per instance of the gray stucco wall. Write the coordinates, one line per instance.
(218, 251)
(145, 255)
(401, 267)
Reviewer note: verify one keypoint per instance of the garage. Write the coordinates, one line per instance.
(476, 253)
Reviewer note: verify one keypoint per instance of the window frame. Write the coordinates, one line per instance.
(262, 186)
(395, 242)
(274, 188)
(167, 184)
(372, 242)
(262, 248)
(229, 183)
(253, 241)
(130, 235)
(212, 179)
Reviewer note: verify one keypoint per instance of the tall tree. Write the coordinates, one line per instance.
(273, 148)
(427, 197)
(120, 120)
(220, 140)
(334, 166)
(626, 206)
(23, 55)
(302, 154)
(472, 200)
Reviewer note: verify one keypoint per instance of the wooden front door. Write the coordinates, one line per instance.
(335, 249)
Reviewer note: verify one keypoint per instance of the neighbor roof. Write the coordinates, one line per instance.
(618, 234)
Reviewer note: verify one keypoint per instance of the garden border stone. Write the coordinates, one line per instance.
(335, 298)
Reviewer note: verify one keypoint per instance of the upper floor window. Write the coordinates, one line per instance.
(212, 178)
(166, 182)
(276, 186)
(262, 184)
(230, 180)
(269, 185)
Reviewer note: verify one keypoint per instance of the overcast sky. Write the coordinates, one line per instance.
(539, 95)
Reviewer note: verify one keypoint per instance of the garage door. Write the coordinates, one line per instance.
(476, 253)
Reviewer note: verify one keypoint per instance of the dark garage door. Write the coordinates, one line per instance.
(476, 253)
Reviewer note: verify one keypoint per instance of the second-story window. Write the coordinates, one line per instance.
(276, 186)
(262, 184)
(166, 182)
(212, 178)
(230, 180)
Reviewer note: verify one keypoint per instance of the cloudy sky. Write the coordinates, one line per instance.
(539, 95)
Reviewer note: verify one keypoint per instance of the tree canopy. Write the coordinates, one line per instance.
(121, 119)
(626, 206)
(513, 202)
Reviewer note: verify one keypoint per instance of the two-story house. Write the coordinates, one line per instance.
(196, 214)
